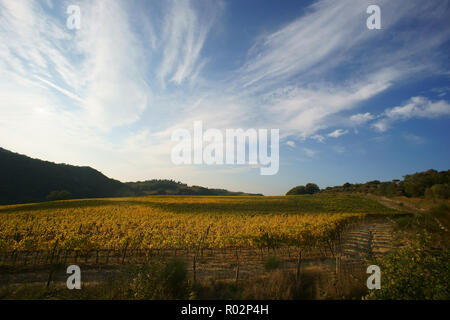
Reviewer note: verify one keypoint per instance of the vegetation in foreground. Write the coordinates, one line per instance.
(170, 279)
(419, 268)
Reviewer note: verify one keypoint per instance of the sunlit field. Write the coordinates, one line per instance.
(173, 222)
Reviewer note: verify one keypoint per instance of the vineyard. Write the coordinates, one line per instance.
(217, 238)
(184, 222)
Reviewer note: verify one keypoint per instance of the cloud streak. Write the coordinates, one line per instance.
(416, 107)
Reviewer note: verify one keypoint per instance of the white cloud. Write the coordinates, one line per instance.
(290, 143)
(333, 32)
(419, 107)
(184, 35)
(337, 133)
(305, 111)
(318, 137)
(416, 107)
(381, 125)
(361, 118)
(100, 66)
(114, 67)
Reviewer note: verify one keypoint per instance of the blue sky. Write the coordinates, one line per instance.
(352, 104)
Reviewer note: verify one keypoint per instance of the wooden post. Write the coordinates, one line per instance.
(338, 265)
(50, 276)
(299, 264)
(237, 267)
(124, 253)
(53, 251)
(194, 269)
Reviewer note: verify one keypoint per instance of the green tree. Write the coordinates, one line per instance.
(312, 188)
(297, 190)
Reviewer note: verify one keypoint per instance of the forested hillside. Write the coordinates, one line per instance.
(430, 184)
(24, 179)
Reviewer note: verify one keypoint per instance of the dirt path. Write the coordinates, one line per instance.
(396, 204)
(372, 238)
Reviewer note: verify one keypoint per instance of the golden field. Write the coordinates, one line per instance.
(180, 222)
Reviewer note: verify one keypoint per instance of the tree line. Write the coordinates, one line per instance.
(430, 184)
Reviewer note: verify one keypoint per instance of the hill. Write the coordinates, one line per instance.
(170, 187)
(24, 179)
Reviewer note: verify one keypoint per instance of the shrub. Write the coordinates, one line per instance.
(158, 280)
(417, 271)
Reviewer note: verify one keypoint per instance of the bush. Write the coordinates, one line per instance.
(158, 280)
(417, 271)
(438, 191)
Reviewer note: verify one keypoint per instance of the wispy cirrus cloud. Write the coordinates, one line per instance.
(184, 33)
(307, 81)
(99, 67)
(114, 90)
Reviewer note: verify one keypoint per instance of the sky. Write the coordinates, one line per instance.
(352, 104)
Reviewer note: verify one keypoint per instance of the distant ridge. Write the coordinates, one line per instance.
(24, 179)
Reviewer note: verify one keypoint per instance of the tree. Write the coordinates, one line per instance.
(312, 188)
(297, 190)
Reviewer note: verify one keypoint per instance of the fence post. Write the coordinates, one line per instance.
(124, 252)
(194, 268)
(53, 251)
(237, 266)
(299, 264)
(338, 265)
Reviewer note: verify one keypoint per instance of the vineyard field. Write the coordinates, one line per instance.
(180, 222)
